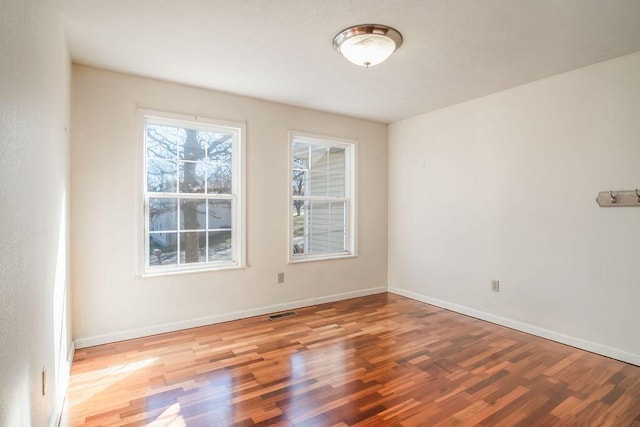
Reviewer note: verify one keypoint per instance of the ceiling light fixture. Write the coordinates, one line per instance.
(367, 45)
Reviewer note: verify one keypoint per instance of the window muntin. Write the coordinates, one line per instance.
(192, 200)
(322, 208)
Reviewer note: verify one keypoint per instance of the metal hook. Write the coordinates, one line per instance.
(612, 196)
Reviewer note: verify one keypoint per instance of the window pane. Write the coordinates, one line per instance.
(298, 226)
(162, 214)
(192, 177)
(192, 247)
(299, 182)
(193, 214)
(193, 146)
(317, 230)
(161, 176)
(300, 156)
(318, 175)
(338, 227)
(220, 246)
(336, 170)
(162, 141)
(219, 147)
(327, 174)
(219, 214)
(219, 178)
(162, 248)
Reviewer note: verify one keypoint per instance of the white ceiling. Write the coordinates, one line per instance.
(281, 50)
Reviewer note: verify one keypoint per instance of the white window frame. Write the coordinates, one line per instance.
(237, 196)
(350, 195)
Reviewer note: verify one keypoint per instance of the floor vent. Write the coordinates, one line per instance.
(280, 315)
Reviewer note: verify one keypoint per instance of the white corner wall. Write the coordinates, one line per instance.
(110, 303)
(34, 295)
(503, 187)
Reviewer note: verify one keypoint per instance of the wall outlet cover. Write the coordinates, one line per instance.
(495, 285)
(44, 380)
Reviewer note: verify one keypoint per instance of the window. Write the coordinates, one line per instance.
(322, 198)
(192, 194)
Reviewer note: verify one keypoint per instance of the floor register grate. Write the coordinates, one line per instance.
(281, 315)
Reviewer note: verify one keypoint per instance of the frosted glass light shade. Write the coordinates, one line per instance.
(367, 45)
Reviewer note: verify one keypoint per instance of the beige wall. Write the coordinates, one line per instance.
(111, 303)
(503, 187)
(34, 117)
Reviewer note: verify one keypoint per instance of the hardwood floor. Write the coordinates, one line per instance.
(377, 360)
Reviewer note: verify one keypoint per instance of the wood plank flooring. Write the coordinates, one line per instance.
(380, 360)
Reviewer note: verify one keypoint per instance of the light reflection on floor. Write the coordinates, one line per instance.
(171, 417)
(88, 386)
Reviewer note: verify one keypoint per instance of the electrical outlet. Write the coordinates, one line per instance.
(44, 380)
(280, 277)
(495, 285)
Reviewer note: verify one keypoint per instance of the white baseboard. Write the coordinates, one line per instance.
(219, 318)
(62, 382)
(524, 327)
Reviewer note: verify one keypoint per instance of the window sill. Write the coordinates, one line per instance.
(156, 274)
(320, 258)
